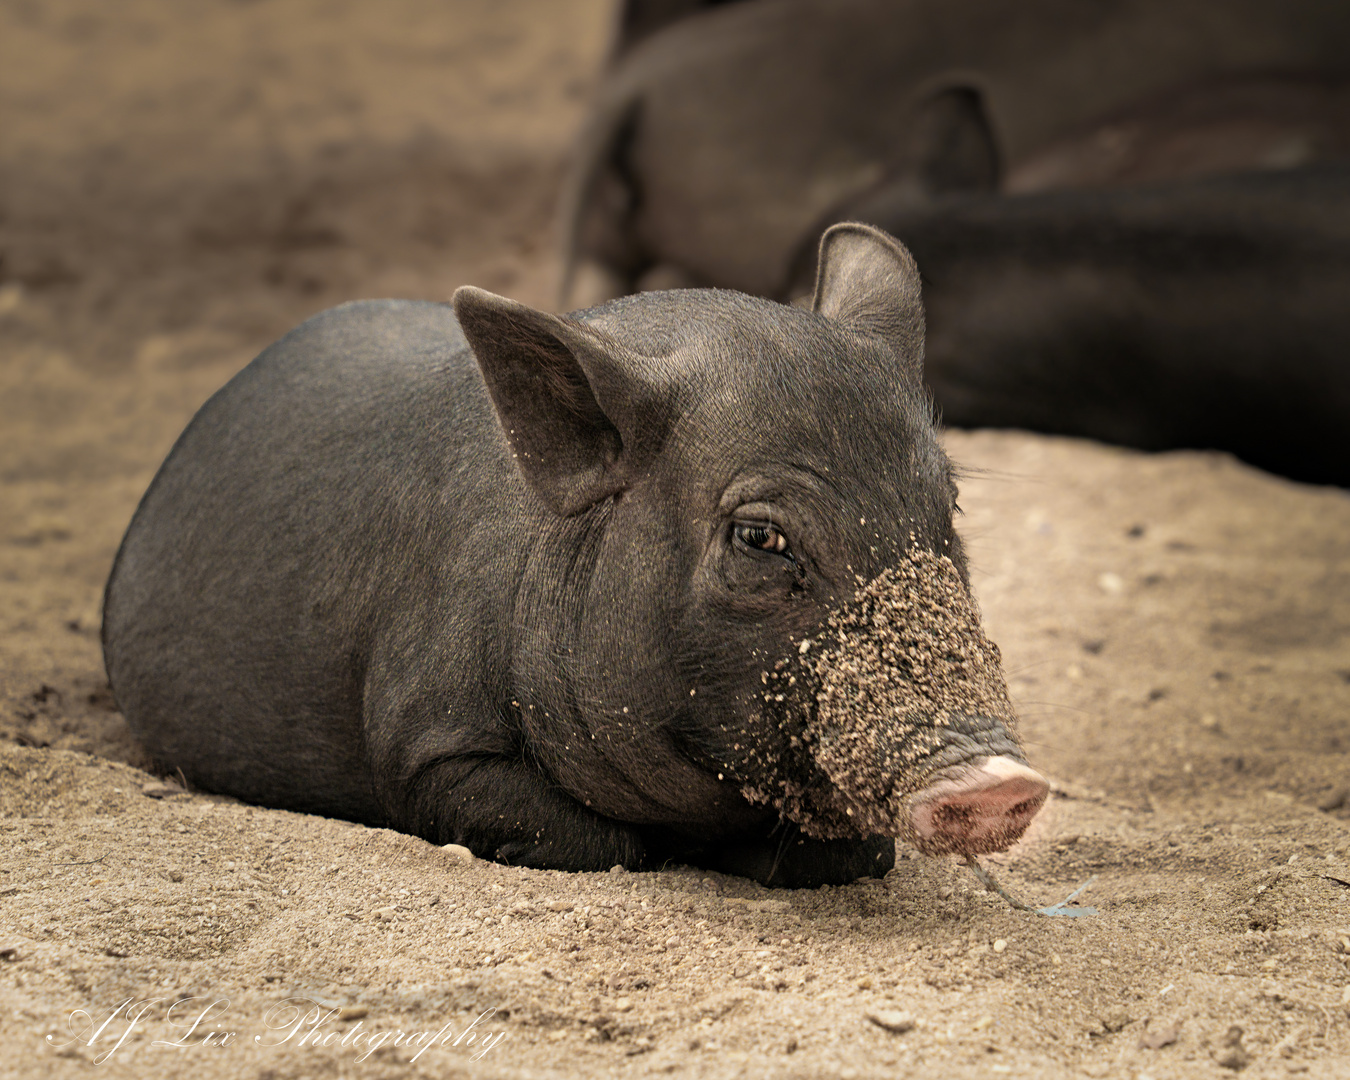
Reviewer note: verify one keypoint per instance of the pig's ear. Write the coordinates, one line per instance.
(573, 403)
(866, 278)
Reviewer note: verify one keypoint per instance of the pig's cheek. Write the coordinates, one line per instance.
(767, 740)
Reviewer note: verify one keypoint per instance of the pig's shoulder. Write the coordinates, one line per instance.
(403, 333)
(355, 368)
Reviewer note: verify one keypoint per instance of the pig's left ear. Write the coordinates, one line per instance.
(577, 408)
(866, 278)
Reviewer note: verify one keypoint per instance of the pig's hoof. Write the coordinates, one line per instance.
(976, 808)
(800, 862)
(595, 857)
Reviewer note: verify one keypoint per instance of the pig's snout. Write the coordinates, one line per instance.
(975, 808)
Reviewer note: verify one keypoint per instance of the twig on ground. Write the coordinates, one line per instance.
(1061, 909)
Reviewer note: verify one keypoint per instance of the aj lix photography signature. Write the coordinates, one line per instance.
(197, 1023)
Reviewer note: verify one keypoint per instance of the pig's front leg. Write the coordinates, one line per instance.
(787, 859)
(504, 810)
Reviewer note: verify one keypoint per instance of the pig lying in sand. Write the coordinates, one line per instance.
(674, 578)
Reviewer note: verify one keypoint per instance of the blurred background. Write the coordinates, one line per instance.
(233, 165)
(1132, 217)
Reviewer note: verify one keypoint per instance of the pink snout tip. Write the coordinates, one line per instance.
(976, 808)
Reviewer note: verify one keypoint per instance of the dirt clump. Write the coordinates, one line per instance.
(876, 694)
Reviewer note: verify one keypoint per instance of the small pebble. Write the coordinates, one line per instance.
(1233, 1056)
(353, 1012)
(1335, 800)
(898, 1022)
(1111, 584)
(1157, 1038)
(458, 853)
(1000, 945)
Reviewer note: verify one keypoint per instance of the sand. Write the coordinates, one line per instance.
(179, 183)
(870, 701)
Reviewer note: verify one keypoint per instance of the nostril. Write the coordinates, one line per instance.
(952, 814)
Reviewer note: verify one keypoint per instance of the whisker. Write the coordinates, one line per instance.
(1062, 706)
(1022, 668)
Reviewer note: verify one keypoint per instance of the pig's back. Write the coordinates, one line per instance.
(315, 506)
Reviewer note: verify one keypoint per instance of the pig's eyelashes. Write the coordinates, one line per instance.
(762, 537)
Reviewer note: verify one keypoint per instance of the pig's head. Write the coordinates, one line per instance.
(747, 590)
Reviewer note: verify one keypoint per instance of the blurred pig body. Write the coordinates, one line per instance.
(722, 138)
(1198, 313)
(528, 583)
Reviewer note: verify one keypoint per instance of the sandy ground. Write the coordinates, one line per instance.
(179, 183)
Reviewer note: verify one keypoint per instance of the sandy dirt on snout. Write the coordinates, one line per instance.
(180, 183)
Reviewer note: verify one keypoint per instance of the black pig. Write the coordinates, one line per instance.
(673, 578)
(1198, 313)
(719, 139)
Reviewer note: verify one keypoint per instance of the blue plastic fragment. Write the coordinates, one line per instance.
(1068, 912)
(1062, 908)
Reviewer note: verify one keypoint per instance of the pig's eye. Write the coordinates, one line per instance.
(762, 538)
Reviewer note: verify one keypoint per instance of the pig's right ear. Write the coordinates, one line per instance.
(866, 278)
(576, 407)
